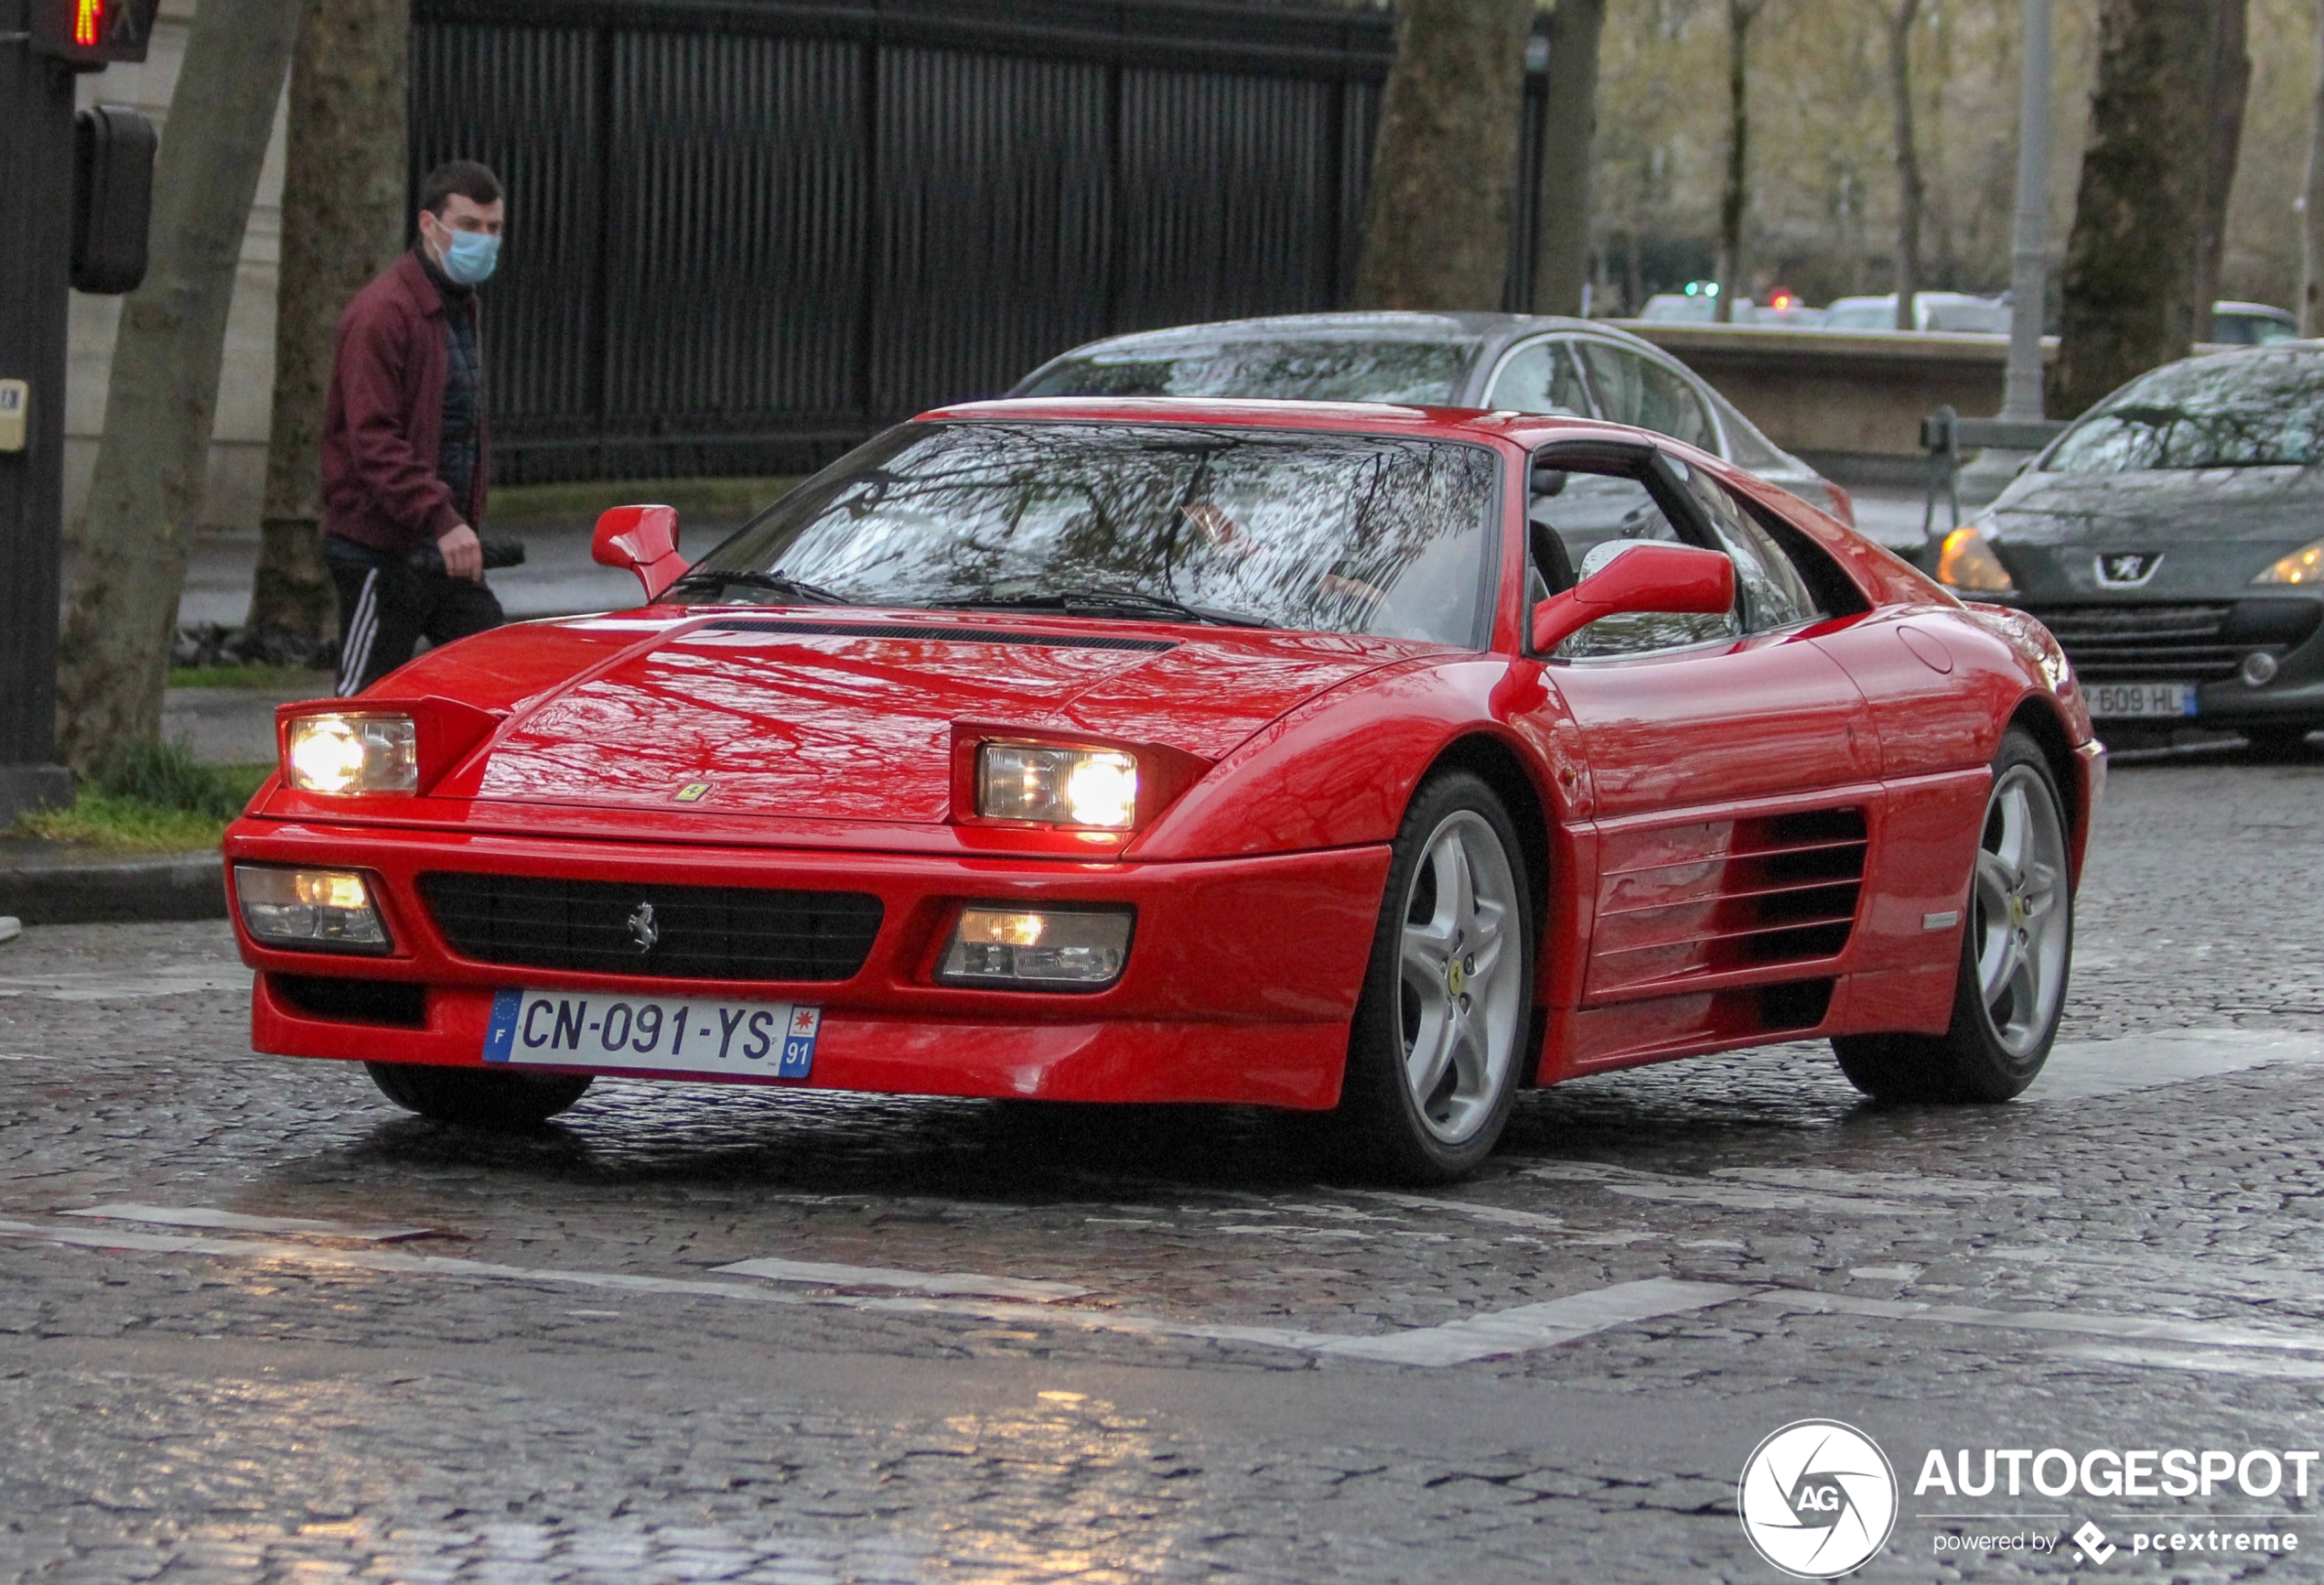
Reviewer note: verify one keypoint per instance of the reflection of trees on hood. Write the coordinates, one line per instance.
(2256, 412)
(1299, 530)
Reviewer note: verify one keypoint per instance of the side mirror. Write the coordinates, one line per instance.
(1678, 579)
(645, 540)
(1548, 481)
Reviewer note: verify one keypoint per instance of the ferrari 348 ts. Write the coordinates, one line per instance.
(1360, 760)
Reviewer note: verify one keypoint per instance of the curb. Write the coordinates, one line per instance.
(53, 887)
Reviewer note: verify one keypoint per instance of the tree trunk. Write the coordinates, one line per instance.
(2312, 201)
(1734, 198)
(1561, 259)
(342, 223)
(1436, 227)
(1909, 193)
(2128, 284)
(114, 655)
(2231, 81)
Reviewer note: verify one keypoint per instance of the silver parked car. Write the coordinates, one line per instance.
(1518, 362)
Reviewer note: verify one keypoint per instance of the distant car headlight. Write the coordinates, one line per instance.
(1965, 561)
(1096, 789)
(1057, 949)
(351, 753)
(2304, 566)
(316, 910)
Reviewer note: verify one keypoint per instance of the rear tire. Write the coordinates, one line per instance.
(488, 1099)
(1438, 1043)
(2017, 950)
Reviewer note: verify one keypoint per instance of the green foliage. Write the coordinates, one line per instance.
(122, 825)
(168, 776)
(287, 679)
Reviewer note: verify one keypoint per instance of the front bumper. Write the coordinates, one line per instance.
(2206, 643)
(1239, 984)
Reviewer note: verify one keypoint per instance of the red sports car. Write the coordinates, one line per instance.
(1355, 759)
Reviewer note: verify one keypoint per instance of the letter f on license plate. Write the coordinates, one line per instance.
(654, 1034)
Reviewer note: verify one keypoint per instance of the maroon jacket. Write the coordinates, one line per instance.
(384, 424)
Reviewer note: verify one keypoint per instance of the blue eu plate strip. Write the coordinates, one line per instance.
(502, 1036)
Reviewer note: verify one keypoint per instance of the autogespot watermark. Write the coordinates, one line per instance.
(1819, 1498)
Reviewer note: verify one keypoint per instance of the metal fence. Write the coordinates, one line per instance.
(746, 234)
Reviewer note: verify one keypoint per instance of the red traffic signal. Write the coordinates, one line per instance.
(94, 32)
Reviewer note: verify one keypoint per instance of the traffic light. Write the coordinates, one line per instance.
(92, 33)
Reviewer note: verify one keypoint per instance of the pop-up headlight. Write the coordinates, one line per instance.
(1096, 789)
(344, 753)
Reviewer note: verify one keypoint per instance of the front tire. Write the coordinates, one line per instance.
(488, 1099)
(2017, 950)
(1438, 1042)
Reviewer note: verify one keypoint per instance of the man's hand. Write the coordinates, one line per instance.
(463, 554)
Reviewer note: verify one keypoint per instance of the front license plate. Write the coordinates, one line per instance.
(589, 1029)
(2119, 699)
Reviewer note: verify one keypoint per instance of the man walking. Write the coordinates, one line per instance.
(406, 448)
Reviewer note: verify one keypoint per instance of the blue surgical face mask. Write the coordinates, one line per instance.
(470, 257)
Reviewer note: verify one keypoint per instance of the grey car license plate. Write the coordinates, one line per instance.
(2149, 700)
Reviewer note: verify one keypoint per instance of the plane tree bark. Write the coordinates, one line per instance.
(1911, 196)
(2231, 81)
(121, 612)
(2312, 201)
(1436, 223)
(2132, 268)
(343, 221)
(1734, 195)
(1561, 255)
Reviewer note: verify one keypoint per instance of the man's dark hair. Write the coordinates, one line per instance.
(457, 178)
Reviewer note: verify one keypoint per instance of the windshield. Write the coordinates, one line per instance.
(1418, 373)
(1340, 533)
(2259, 410)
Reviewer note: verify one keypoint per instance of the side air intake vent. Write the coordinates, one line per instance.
(1726, 895)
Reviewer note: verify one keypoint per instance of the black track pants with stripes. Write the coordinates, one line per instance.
(386, 606)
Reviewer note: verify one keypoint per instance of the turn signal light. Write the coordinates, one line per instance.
(2305, 565)
(311, 910)
(1965, 561)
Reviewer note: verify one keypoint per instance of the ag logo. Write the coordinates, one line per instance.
(1817, 1499)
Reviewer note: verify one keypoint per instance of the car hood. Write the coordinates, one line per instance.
(847, 717)
(2214, 529)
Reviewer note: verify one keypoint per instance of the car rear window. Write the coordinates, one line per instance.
(1419, 374)
(2248, 410)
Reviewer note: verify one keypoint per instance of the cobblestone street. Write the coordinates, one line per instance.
(254, 1322)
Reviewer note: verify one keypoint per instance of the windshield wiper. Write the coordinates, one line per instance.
(777, 582)
(1099, 602)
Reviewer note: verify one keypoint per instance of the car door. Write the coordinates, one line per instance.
(1734, 790)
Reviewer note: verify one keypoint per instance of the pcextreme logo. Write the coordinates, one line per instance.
(1817, 1499)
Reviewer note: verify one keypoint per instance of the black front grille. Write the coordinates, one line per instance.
(737, 932)
(2147, 643)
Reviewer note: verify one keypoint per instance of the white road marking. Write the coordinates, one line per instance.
(825, 1275)
(2209, 1363)
(2086, 1070)
(1884, 1273)
(236, 1221)
(105, 988)
(1664, 1188)
(2241, 1279)
(1473, 1337)
(2199, 1333)
(1832, 1180)
(1537, 1326)
(1498, 1213)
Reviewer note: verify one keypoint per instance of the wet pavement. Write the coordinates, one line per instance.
(256, 1323)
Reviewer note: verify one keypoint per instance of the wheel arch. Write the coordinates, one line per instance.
(1496, 764)
(2040, 719)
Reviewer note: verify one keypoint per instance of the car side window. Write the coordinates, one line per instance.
(1541, 377)
(1635, 389)
(1589, 513)
(1773, 592)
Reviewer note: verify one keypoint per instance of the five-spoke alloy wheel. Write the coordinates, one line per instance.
(1441, 1033)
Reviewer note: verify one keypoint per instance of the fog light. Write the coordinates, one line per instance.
(342, 754)
(1053, 948)
(310, 910)
(2259, 668)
